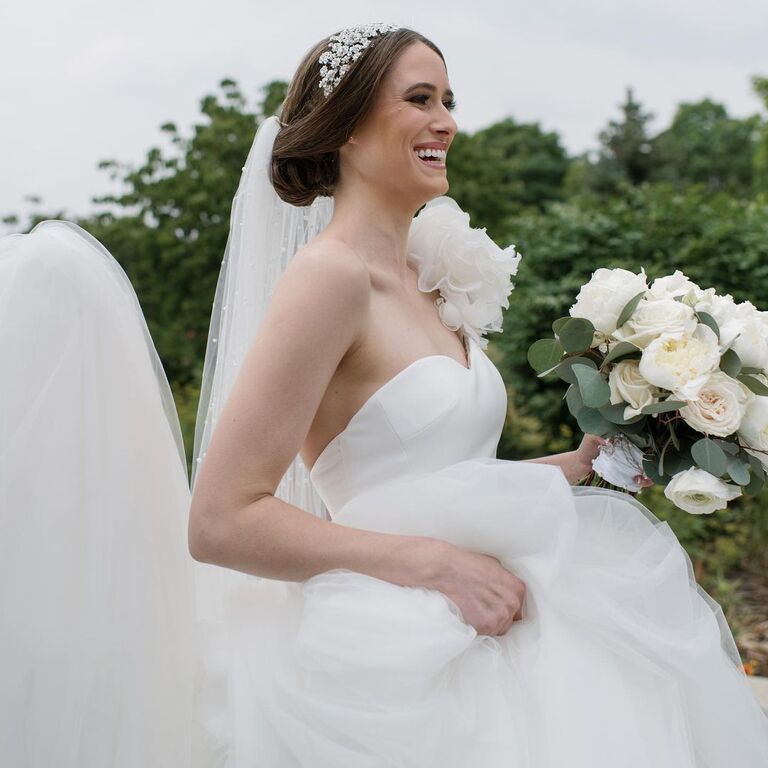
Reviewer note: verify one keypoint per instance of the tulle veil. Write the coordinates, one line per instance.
(105, 619)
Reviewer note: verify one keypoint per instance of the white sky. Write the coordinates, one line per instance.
(85, 80)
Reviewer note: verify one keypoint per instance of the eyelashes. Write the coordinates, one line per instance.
(422, 99)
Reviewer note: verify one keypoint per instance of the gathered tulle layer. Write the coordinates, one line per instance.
(621, 659)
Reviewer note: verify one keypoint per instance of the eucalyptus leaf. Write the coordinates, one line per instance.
(622, 350)
(576, 334)
(565, 369)
(651, 469)
(573, 399)
(559, 323)
(730, 448)
(593, 387)
(709, 456)
(752, 383)
(749, 369)
(730, 363)
(673, 435)
(675, 462)
(757, 466)
(544, 354)
(663, 407)
(614, 412)
(706, 319)
(592, 422)
(641, 441)
(738, 470)
(629, 308)
(635, 425)
(755, 485)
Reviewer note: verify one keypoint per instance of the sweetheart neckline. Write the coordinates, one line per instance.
(386, 385)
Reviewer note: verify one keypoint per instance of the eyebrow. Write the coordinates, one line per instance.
(429, 87)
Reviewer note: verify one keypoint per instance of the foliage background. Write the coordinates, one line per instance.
(694, 197)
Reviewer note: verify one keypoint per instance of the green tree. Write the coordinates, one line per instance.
(703, 145)
(168, 227)
(500, 170)
(625, 154)
(760, 87)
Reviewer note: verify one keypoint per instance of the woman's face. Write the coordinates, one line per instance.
(401, 145)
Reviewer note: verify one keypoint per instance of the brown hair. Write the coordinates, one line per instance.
(305, 157)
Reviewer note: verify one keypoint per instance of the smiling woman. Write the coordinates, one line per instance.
(416, 601)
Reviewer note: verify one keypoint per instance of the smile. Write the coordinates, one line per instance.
(435, 158)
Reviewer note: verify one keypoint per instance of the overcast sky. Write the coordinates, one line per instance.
(85, 80)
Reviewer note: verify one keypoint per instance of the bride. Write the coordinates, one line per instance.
(368, 584)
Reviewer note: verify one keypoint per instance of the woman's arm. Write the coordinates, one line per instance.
(314, 318)
(576, 465)
(568, 462)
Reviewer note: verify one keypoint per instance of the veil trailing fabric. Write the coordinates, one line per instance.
(265, 232)
(98, 658)
(113, 640)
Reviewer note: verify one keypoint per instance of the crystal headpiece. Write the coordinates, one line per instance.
(344, 48)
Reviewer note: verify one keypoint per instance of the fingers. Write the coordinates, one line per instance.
(516, 615)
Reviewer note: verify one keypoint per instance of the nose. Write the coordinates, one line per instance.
(446, 125)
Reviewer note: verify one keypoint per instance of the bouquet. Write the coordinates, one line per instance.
(674, 377)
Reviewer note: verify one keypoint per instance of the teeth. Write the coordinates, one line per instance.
(428, 152)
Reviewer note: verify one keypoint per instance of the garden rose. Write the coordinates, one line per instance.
(652, 318)
(628, 385)
(675, 285)
(699, 492)
(751, 345)
(721, 406)
(601, 299)
(681, 362)
(754, 427)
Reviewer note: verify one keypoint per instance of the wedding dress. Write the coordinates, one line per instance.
(621, 658)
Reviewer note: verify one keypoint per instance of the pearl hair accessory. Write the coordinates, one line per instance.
(344, 48)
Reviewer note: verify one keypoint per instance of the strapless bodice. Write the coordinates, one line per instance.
(433, 413)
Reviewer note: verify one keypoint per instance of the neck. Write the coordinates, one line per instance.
(374, 224)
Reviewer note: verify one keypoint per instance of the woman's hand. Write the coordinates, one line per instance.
(588, 451)
(584, 455)
(489, 596)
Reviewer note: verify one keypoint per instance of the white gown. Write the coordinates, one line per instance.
(621, 660)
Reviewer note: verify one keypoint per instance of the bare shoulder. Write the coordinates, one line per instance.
(332, 263)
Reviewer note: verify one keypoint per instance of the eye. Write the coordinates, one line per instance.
(423, 98)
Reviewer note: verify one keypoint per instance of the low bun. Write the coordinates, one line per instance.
(299, 180)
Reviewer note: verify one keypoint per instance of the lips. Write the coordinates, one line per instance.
(433, 156)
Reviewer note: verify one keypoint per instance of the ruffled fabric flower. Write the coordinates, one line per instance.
(472, 273)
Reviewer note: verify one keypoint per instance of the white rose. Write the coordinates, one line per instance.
(601, 299)
(751, 345)
(723, 309)
(721, 406)
(471, 272)
(677, 284)
(681, 362)
(652, 318)
(628, 385)
(699, 492)
(754, 427)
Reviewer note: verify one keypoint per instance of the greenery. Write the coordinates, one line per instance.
(694, 197)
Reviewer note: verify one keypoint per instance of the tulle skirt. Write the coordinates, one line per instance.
(116, 650)
(621, 659)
